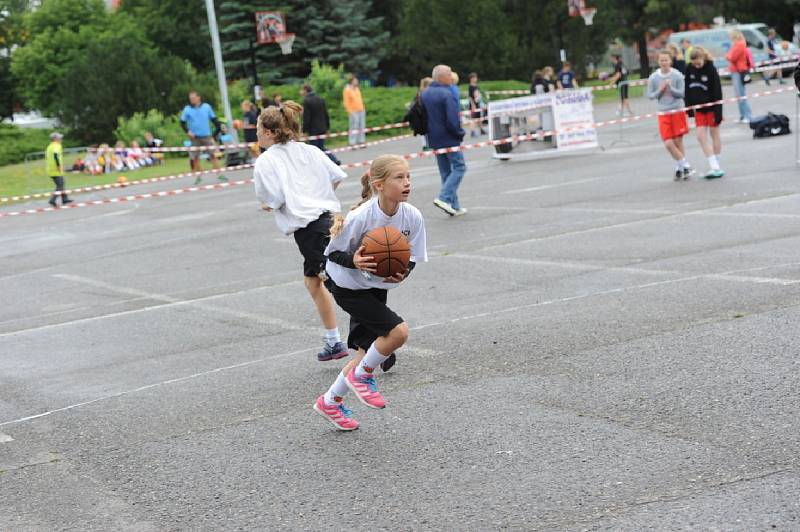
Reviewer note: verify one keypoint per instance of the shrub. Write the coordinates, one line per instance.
(16, 142)
(166, 128)
(327, 82)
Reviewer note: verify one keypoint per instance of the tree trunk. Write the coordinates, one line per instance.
(644, 60)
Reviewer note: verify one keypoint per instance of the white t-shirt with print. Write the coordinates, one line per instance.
(408, 220)
(296, 179)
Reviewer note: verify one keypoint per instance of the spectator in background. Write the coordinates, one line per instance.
(539, 85)
(424, 83)
(772, 52)
(54, 165)
(566, 78)
(678, 60)
(783, 53)
(686, 49)
(151, 142)
(739, 66)
(454, 89)
(620, 75)
(548, 74)
(316, 120)
(250, 121)
(444, 131)
(475, 106)
(356, 112)
(195, 120)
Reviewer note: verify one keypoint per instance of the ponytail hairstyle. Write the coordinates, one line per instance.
(282, 121)
(381, 168)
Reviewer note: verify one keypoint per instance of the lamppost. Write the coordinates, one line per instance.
(220, 66)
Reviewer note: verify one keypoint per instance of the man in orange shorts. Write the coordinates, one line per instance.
(666, 86)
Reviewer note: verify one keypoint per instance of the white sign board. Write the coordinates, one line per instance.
(540, 113)
(573, 109)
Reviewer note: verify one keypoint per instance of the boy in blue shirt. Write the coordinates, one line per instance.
(566, 78)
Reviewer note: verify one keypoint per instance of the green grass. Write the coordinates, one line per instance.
(20, 179)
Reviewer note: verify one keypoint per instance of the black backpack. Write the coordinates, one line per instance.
(417, 117)
(770, 125)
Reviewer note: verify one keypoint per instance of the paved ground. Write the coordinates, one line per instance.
(594, 347)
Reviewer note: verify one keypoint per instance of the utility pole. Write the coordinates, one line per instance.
(223, 85)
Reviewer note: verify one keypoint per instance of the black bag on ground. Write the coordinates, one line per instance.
(770, 125)
(417, 117)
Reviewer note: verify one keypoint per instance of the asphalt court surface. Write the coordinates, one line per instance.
(593, 347)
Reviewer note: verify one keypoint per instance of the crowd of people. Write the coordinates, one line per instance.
(103, 159)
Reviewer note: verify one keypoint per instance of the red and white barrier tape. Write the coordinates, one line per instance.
(136, 197)
(417, 155)
(108, 186)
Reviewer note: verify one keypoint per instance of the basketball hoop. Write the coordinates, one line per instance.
(286, 40)
(588, 15)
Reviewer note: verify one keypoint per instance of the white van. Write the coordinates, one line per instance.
(718, 42)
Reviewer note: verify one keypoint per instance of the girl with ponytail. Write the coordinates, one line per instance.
(297, 182)
(376, 332)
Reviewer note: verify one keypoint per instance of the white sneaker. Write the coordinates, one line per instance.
(460, 211)
(446, 207)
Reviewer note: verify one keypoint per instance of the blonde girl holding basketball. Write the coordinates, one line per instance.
(297, 181)
(376, 331)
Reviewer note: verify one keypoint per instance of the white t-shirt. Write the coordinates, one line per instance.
(361, 221)
(296, 179)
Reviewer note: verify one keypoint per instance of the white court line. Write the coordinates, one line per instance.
(569, 265)
(154, 385)
(554, 185)
(175, 303)
(628, 269)
(195, 303)
(490, 313)
(694, 212)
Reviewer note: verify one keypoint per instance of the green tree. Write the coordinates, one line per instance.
(466, 34)
(177, 27)
(344, 33)
(12, 35)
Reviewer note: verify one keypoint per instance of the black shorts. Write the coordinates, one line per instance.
(623, 92)
(370, 318)
(312, 241)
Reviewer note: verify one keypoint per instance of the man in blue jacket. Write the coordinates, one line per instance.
(445, 131)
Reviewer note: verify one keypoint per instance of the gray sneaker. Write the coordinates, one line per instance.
(334, 352)
(460, 212)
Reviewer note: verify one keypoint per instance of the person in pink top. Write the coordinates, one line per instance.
(739, 62)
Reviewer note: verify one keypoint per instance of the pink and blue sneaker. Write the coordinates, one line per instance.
(332, 352)
(365, 389)
(336, 414)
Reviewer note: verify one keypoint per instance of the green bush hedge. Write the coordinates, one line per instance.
(16, 142)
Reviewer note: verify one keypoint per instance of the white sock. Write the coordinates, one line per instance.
(679, 165)
(712, 163)
(338, 389)
(716, 156)
(332, 336)
(371, 360)
(685, 164)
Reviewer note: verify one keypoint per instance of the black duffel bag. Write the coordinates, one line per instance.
(770, 125)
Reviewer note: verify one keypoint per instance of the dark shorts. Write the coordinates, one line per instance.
(312, 241)
(623, 91)
(204, 142)
(370, 318)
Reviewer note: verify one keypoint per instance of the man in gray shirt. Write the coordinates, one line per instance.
(666, 86)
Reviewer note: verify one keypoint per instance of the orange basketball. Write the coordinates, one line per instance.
(122, 180)
(238, 124)
(390, 248)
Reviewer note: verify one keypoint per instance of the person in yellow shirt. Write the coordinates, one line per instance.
(354, 105)
(54, 165)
